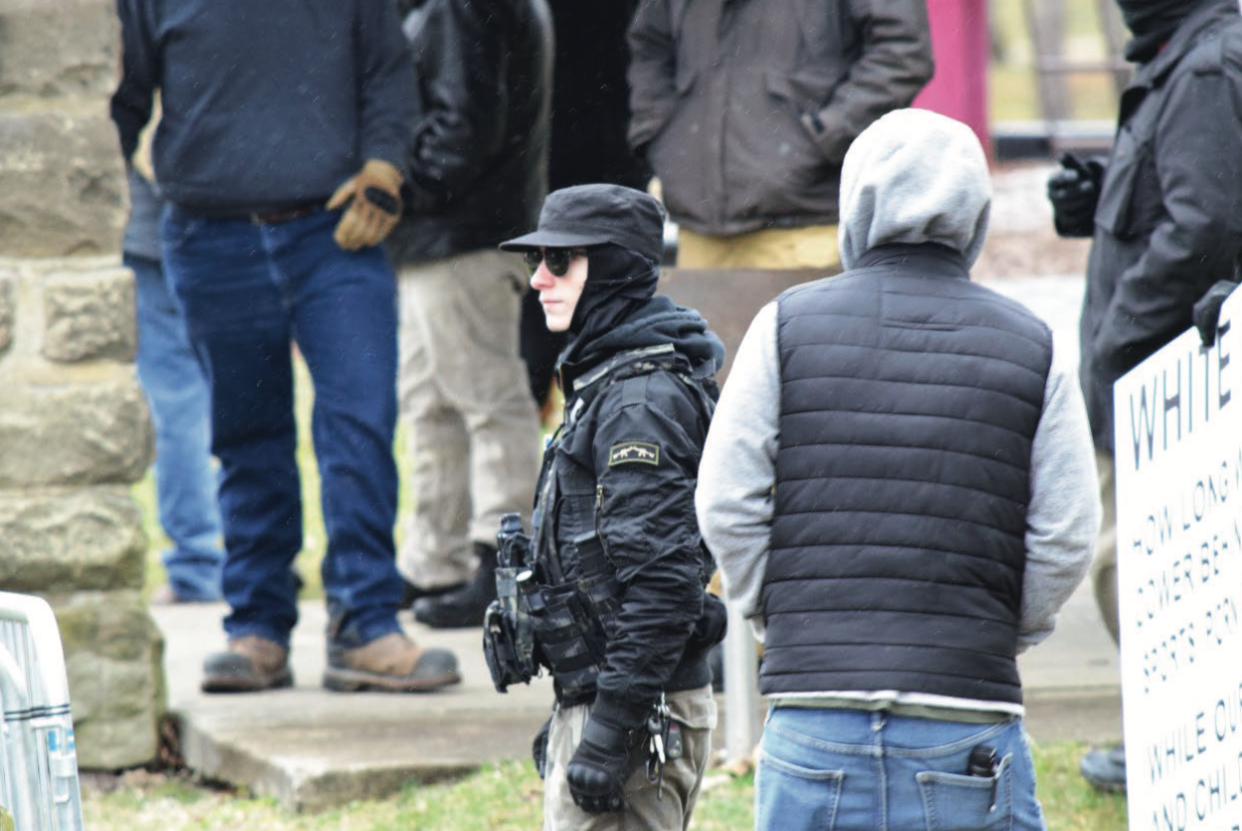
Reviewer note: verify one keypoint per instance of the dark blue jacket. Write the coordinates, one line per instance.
(266, 104)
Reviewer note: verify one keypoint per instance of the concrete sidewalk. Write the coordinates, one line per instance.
(311, 748)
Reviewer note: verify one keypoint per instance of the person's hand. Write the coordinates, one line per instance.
(1074, 192)
(374, 198)
(1206, 313)
(599, 768)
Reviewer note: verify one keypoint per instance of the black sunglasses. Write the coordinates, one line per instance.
(558, 259)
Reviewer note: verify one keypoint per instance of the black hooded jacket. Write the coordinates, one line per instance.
(622, 469)
(1169, 221)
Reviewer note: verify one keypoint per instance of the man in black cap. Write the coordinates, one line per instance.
(615, 551)
(1165, 222)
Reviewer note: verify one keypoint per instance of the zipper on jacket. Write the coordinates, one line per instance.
(599, 534)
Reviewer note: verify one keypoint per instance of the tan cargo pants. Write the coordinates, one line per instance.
(1104, 567)
(814, 246)
(473, 428)
(694, 711)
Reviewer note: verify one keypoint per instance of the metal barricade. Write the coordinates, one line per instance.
(38, 762)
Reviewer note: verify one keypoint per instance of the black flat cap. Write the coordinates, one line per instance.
(587, 215)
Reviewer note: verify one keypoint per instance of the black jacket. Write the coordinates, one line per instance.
(479, 159)
(591, 97)
(910, 399)
(744, 108)
(1169, 220)
(623, 467)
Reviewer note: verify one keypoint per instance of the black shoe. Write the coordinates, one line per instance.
(410, 592)
(465, 607)
(1105, 768)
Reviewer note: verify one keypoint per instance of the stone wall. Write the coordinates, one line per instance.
(74, 435)
(74, 429)
(62, 187)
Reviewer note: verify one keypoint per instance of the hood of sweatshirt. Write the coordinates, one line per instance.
(916, 177)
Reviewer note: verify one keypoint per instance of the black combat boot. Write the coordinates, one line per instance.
(411, 592)
(463, 608)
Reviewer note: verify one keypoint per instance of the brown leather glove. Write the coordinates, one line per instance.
(374, 198)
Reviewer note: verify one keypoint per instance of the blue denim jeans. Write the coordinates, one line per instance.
(249, 292)
(851, 770)
(176, 390)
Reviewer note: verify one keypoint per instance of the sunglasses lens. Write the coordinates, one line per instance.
(533, 259)
(557, 260)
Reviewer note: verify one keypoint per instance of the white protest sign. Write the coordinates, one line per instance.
(1178, 442)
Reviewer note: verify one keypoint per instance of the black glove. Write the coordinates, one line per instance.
(539, 749)
(1074, 191)
(1206, 313)
(599, 768)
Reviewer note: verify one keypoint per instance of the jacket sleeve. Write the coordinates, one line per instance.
(896, 62)
(461, 125)
(132, 101)
(1198, 159)
(386, 84)
(1063, 516)
(647, 458)
(734, 496)
(652, 72)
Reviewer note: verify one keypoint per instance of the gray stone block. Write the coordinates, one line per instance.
(8, 309)
(89, 315)
(114, 656)
(95, 431)
(62, 178)
(58, 47)
(65, 541)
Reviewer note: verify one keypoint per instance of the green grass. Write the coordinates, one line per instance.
(508, 796)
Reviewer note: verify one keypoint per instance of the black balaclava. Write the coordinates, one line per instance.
(619, 280)
(1152, 22)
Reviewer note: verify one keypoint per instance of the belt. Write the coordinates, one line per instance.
(286, 215)
(896, 708)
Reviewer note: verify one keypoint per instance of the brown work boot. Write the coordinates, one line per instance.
(250, 664)
(392, 663)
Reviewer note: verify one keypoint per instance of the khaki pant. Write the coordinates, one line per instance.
(473, 427)
(695, 712)
(1104, 568)
(814, 246)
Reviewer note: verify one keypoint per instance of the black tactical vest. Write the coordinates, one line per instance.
(909, 400)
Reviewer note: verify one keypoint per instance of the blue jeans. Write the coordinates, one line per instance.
(851, 770)
(249, 292)
(176, 391)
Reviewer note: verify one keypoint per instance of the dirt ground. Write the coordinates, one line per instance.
(1021, 241)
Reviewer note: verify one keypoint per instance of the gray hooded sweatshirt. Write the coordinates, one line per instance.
(912, 177)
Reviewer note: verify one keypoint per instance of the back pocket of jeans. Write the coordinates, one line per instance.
(956, 802)
(792, 797)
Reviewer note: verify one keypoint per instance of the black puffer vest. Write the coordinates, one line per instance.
(909, 400)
